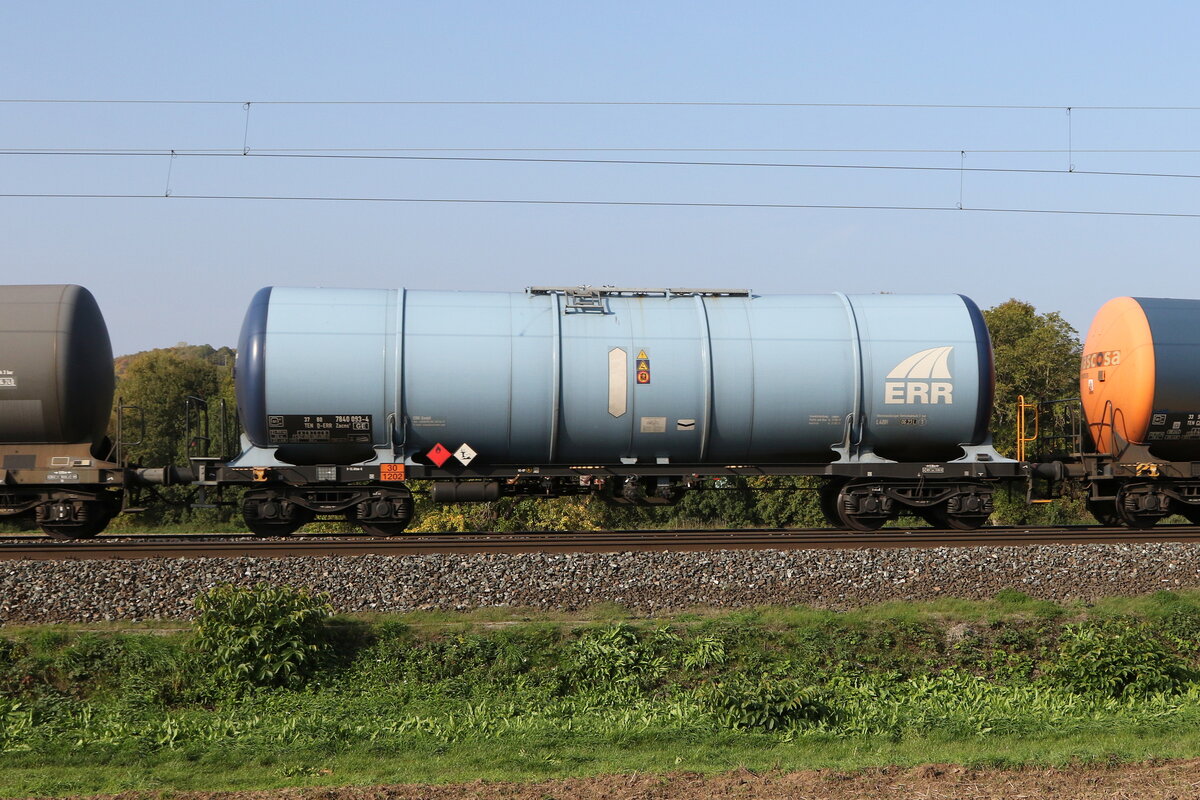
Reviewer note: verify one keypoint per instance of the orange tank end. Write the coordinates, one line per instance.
(1117, 374)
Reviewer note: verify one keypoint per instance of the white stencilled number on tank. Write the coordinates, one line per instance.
(8, 379)
(319, 428)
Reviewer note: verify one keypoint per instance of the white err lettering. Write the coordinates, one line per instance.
(918, 392)
(940, 392)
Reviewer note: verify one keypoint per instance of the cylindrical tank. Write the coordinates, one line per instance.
(56, 366)
(553, 376)
(1140, 376)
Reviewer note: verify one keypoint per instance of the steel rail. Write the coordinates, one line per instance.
(590, 542)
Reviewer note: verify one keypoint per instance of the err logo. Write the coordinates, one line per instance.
(923, 377)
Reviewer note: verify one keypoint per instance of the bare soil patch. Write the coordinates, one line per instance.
(1175, 780)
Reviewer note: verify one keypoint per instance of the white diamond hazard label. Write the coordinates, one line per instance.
(465, 454)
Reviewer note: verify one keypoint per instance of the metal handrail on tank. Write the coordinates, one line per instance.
(1108, 419)
(196, 425)
(1040, 438)
(120, 443)
(1074, 434)
(1116, 438)
(201, 460)
(618, 291)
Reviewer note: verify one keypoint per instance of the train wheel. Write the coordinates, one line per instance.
(82, 530)
(859, 510)
(385, 515)
(73, 520)
(828, 496)
(1105, 512)
(1139, 507)
(274, 517)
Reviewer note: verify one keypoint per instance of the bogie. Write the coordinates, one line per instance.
(283, 509)
(73, 518)
(868, 505)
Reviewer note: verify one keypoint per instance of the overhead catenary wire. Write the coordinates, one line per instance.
(268, 149)
(635, 203)
(476, 155)
(601, 161)
(662, 103)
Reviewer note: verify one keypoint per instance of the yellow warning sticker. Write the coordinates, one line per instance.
(643, 368)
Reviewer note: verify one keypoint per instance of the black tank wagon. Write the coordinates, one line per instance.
(56, 395)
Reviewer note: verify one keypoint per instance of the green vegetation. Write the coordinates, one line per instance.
(1036, 355)
(155, 386)
(158, 383)
(737, 502)
(503, 695)
(261, 637)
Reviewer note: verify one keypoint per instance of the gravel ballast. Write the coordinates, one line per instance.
(643, 582)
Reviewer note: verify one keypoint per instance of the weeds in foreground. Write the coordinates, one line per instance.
(267, 676)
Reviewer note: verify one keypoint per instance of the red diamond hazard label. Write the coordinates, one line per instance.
(438, 454)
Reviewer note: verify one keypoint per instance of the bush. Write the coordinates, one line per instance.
(261, 636)
(618, 659)
(765, 704)
(1117, 658)
(793, 502)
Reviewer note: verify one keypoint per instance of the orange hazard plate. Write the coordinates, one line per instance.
(391, 472)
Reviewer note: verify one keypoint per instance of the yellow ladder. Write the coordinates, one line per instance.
(1022, 439)
(1022, 420)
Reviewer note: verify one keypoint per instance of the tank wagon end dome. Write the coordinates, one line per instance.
(1139, 377)
(57, 366)
(250, 368)
(987, 370)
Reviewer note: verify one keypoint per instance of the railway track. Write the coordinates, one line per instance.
(229, 546)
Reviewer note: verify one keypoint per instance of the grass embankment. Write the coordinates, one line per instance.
(267, 692)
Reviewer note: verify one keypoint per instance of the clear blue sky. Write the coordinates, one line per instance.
(167, 270)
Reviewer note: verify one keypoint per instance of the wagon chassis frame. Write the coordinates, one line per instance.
(860, 496)
(932, 471)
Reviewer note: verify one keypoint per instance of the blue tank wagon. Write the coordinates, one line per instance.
(634, 394)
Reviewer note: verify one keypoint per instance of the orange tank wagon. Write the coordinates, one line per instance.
(1138, 452)
(1139, 377)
